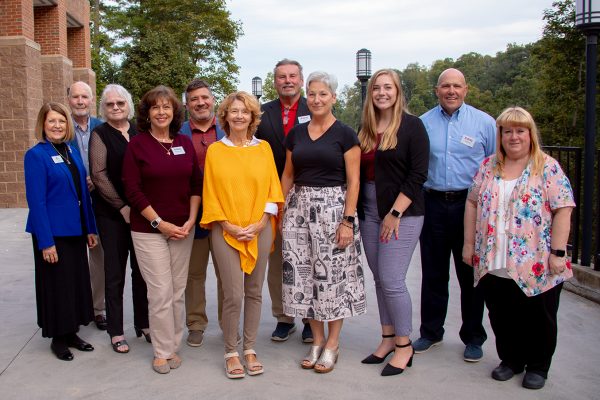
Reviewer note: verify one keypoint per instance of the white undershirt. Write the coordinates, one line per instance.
(498, 268)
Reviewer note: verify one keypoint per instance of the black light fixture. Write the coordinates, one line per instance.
(257, 87)
(363, 72)
(587, 19)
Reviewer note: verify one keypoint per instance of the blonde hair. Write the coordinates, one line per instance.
(370, 114)
(40, 135)
(519, 117)
(250, 103)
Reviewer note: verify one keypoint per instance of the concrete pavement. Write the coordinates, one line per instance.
(28, 370)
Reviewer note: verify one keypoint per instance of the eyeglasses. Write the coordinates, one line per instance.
(111, 104)
(286, 117)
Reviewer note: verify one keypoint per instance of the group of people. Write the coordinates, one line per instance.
(289, 186)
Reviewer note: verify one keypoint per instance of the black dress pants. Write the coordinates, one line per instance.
(117, 244)
(525, 327)
(441, 237)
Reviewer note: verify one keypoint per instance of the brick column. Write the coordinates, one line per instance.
(20, 96)
(51, 33)
(20, 101)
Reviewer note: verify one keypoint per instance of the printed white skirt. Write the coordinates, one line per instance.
(320, 280)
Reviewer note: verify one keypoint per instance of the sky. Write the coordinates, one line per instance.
(326, 34)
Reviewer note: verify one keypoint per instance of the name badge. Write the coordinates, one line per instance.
(303, 118)
(467, 141)
(57, 159)
(178, 150)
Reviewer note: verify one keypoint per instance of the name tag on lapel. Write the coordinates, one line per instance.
(303, 118)
(178, 150)
(57, 159)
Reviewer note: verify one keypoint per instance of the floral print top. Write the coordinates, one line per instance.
(528, 224)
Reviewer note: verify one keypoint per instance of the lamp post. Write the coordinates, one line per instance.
(363, 72)
(587, 19)
(257, 87)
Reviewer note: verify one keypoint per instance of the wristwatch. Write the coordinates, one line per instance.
(154, 223)
(395, 213)
(348, 218)
(558, 253)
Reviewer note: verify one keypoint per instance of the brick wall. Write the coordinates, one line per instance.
(39, 59)
(16, 18)
(50, 24)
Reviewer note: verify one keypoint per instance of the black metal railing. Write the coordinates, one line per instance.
(571, 159)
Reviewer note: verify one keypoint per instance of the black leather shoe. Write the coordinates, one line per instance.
(390, 370)
(502, 373)
(531, 380)
(373, 359)
(61, 351)
(100, 321)
(78, 343)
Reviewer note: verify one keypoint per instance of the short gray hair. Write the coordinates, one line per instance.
(122, 92)
(287, 61)
(323, 77)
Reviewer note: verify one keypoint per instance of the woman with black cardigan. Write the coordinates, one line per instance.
(394, 161)
(107, 149)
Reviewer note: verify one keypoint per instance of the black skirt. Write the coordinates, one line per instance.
(63, 290)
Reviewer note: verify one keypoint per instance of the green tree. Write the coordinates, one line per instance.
(269, 92)
(181, 38)
(347, 108)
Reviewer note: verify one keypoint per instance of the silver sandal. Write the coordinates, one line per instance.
(309, 361)
(328, 359)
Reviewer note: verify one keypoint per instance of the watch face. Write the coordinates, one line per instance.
(349, 218)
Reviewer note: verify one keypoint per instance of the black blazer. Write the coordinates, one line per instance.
(271, 128)
(401, 170)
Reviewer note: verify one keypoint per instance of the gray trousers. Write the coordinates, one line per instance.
(389, 263)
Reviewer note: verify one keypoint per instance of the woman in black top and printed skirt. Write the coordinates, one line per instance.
(323, 278)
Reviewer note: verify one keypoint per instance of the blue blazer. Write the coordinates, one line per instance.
(185, 129)
(52, 197)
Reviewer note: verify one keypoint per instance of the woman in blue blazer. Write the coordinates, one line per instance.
(61, 223)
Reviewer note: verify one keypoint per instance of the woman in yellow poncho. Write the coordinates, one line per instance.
(241, 197)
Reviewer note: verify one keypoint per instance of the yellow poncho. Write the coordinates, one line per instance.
(238, 183)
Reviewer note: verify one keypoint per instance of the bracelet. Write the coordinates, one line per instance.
(347, 225)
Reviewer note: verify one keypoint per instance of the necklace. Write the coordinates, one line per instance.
(168, 150)
(65, 157)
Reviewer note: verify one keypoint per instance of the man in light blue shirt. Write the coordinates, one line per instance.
(460, 138)
(80, 101)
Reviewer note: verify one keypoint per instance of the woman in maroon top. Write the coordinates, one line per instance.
(163, 184)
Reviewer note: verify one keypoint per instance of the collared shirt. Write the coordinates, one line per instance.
(270, 208)
(83, 141)
(458, 144)
(291, 116)
(202, 139)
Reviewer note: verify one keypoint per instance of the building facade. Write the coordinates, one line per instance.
(44, 47)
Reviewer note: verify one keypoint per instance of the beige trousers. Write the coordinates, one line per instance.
(240, 288)
(164, 266)
(96, 261)
(195, 291)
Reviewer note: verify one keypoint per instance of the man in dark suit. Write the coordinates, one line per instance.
(80, 102)
(278, 118)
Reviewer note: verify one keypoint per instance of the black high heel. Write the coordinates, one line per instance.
(390, 370)
(139, 332)
(373, 359)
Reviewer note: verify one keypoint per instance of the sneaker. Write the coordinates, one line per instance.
(282, 331)
(473, 353)
(421, 345)
(307, 336)
(195, 338)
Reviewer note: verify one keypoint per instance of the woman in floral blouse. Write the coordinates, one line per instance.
(517, 222)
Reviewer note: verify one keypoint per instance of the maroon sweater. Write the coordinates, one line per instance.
(166, 182)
